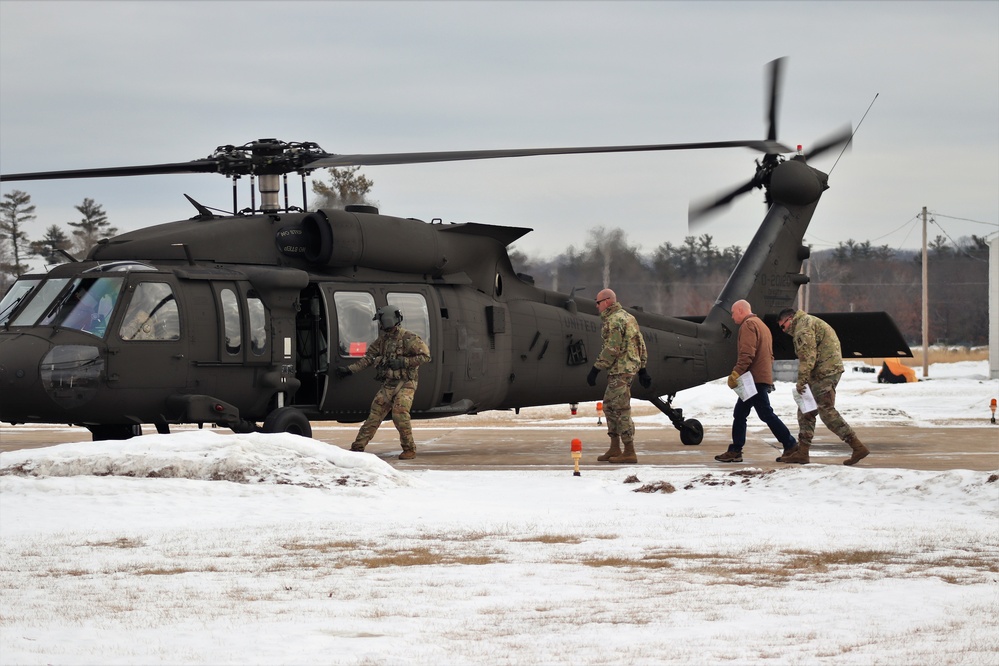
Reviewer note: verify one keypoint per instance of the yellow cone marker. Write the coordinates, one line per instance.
(577, 453)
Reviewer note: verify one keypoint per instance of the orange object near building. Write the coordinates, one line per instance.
(893, 372)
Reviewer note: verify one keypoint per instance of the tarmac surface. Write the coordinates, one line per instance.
(490, 443)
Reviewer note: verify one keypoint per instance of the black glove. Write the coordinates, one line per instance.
(396, 363)
(342, 371)
(644, 379)
(591, 378)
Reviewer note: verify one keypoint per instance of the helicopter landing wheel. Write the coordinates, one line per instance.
(288, 419)
(692, 432)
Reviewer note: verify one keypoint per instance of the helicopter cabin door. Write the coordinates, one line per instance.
(147, 343)
(352, 329)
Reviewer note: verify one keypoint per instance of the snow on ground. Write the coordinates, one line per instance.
(199, 548)
(954, 394)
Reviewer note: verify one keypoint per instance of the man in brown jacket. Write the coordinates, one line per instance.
(756, 355)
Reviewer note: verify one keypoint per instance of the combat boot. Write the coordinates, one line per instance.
(407, 454)
(859, 450)
(357, 447)
(799, 456)
(788, 450)
(731, 455)
(613, 451)
(629, 455)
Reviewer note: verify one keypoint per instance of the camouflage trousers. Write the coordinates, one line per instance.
(394, 396)
(617, 407)
(824, 391)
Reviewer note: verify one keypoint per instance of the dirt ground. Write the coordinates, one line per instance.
(482, 442)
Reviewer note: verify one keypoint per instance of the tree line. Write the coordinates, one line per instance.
(16, 211)
(685, 279)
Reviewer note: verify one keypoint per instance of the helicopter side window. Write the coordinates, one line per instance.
(152, 314)
(258, 322)
(356, 328)
(415, 317)
(86, 306)
(233, 325)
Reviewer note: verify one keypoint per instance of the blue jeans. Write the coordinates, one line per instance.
(761, 403)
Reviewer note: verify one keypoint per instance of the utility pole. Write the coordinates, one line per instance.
(926, 307)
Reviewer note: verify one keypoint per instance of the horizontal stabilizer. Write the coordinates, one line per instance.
(861, 334)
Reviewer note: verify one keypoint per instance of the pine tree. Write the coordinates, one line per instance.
(15, 211)
(50, 244)
(93, 227)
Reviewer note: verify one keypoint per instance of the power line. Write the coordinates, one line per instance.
(964, 219)
(958, 247)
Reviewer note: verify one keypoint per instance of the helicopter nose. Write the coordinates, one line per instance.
(38, 380)
(21, 392)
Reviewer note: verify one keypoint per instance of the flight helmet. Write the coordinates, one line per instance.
(388, 317)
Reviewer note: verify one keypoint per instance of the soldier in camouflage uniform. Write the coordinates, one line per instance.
(820, 366)
(622, 354)
(397, 355)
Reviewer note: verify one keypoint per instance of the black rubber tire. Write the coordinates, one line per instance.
(288, 419)
(692, 433)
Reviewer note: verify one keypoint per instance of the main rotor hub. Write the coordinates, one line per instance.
(266, 157)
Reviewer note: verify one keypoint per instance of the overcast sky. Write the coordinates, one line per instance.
(98, 84)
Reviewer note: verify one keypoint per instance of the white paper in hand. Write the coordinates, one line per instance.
(805, 401)
(746, 388)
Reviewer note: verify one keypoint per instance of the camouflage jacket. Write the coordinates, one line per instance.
(816, 346)
(623, 350)
(394, 343)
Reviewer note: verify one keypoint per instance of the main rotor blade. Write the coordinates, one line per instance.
(459, 155)
(197, 166)
(838, 138)
(775, 69)
(695, 212)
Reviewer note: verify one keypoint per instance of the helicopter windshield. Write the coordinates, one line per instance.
(82, 304)
(18, 292)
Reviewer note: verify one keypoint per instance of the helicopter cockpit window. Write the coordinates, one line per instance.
(40, 302)
(152, 314)
(17, 294)
(356, 328)
(258, 323)
(415, 317)
(85, 305)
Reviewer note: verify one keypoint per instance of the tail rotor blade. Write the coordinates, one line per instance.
(838, 138)
(697, 211)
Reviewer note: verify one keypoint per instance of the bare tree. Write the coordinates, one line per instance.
(346, 187)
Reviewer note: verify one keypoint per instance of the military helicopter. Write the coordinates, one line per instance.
(240, 320)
